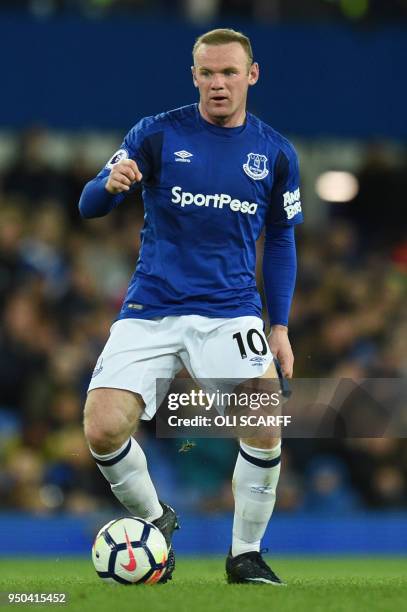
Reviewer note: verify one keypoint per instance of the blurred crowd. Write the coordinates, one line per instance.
(200, 11)
(62, 280)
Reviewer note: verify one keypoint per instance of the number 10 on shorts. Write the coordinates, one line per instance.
(251, 334)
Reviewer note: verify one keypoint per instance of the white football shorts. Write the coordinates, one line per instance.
(140, 351)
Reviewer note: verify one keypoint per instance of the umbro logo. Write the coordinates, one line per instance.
(183, 156)
(98, 367)
(257, 361)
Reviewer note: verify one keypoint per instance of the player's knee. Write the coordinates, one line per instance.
(98, 436)
(105, 426)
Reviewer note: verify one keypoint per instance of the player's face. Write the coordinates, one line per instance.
(223, 75)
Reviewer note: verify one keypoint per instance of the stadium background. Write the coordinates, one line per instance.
(76, 76)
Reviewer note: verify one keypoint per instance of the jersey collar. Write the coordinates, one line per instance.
(226, 132)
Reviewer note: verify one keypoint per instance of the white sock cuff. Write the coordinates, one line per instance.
(262, 453)
(114, 454)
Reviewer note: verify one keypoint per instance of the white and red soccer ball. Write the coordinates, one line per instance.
(130, 551)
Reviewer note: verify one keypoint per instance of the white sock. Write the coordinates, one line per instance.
(126, 470)
(254, 487)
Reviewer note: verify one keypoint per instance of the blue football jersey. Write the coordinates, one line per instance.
(208, 192)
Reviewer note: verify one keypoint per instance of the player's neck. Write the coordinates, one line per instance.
(232, 121)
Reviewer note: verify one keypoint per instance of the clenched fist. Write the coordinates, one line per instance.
(122, 176)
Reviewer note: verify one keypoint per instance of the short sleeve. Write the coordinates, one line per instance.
(285, 205)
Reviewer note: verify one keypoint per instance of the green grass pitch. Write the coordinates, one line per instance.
(315, 584)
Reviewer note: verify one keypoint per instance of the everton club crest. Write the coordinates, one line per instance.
(256, 166)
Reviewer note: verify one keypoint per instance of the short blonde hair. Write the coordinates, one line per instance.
(223, 36)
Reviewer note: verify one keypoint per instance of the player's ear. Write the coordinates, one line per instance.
(194, 76)
(254, 73)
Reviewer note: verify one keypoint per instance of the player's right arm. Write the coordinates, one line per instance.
(104, 193)
(120, 176)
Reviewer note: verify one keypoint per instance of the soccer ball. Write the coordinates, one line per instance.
(130, 551)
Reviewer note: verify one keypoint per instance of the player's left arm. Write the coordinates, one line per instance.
(280, 259)
(279, 274)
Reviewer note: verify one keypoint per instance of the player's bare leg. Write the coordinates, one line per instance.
(255, 481)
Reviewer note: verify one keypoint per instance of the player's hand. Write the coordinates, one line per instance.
(122, 176)
(281, 348)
